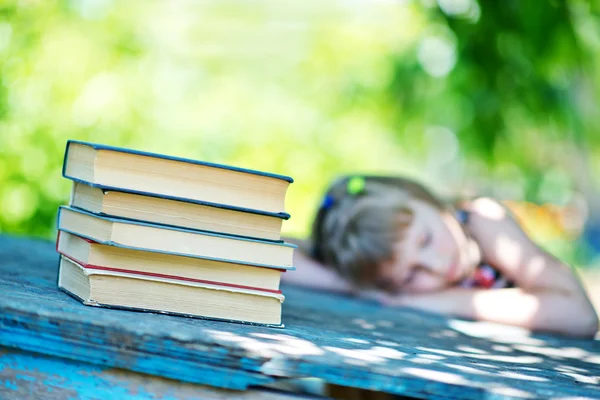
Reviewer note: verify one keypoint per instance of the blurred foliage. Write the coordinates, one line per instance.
(498, 98)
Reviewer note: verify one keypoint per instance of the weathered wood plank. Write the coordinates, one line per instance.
(341, 340)
(30, 375)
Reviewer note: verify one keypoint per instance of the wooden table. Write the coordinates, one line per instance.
(53, 345)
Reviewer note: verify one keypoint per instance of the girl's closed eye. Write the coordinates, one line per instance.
(426, 239)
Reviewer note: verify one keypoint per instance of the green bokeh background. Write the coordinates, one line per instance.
(497, 98)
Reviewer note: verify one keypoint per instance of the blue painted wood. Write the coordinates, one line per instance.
(30, 375)
(341, 340)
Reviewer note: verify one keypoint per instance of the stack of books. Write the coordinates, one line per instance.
(157, 233)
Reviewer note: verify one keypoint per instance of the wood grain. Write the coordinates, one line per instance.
(29, 375)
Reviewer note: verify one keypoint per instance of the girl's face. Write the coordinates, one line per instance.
(434, 253)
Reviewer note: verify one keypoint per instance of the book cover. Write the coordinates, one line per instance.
(174, 177)
(63, 284)
(97, 146)
(105, 188)
(179, 280)
(100, 256)
(165, 228)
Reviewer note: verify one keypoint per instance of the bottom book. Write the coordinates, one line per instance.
(171, 296)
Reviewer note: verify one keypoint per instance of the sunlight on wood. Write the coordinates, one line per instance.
(593, 360)
(490, 357)
(388, 353)
(364, 355)
(512, 392)
(385, 324)
(497, 332)
(569, 368)
(568, 352)
(358, 363)
(509, 359)
(503, 349)
(487, 329)
(530, 369)
(488, 366)
(433, 357)
(284, 344)
(376, 354)
(515, 375)
(440, 351)
(446, 333)
(387, 343)
(438, 376)
(363, 324)
(594, 380)
(424, 361)
(470, 349)
(272, 336)
(469, 370)
(353, 340)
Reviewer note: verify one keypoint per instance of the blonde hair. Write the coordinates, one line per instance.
(355, 230)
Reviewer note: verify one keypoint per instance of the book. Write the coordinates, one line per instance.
(158, 209)
(172, 240)
(99, 256)
(144, 293)
(119, 168)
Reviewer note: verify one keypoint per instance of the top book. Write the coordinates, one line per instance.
(175, 178)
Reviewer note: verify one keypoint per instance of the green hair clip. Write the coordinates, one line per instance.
(355, 185)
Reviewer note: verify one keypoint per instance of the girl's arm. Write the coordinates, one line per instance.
(549, 295)
(541, 311)
(505, 246)
(312, 274)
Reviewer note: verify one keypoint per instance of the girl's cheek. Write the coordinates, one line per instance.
(454, 231)
(443, 238)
